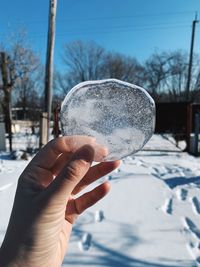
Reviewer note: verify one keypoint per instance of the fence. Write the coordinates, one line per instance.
(182, 120)
(179, 119)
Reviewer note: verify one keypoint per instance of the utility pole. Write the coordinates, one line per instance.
(49, 67)
(195, 21)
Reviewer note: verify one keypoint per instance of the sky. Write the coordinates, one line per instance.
(136, 28)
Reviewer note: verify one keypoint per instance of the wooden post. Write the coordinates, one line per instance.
(188, 127)
(43, 129)
(56, 129)
(49, 63)
(196, 134)
(2, 137)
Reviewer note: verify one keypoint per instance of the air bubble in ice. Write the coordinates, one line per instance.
(120, 115)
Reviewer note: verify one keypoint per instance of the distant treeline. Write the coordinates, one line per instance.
(163, 74)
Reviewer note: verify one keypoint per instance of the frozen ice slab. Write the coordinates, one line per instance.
(120, 115)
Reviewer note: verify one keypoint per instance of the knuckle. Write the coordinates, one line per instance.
(76, 170)
(99, 170)
(71, 173)
(77, 208)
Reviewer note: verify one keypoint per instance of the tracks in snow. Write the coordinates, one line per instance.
(184, 192)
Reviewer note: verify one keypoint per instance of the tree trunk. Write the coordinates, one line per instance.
(7, 97)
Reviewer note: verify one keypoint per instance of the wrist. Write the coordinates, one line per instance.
(8, 256)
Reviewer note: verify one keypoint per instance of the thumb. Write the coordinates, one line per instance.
(75, 169)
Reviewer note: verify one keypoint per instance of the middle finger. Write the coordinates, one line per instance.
(94, 173)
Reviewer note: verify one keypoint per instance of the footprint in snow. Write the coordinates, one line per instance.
(110, 177)
(117, 170)
(182, 194)
(99, 216)
(85, 242)
(192, 233)
(193, 246)
(159, 171)
(192, 227)
(194, 252)
(198, 260)
(168, 206)
(196, 205)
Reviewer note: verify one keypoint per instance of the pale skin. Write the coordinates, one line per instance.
(46, 206)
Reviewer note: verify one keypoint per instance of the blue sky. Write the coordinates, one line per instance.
(132, 27)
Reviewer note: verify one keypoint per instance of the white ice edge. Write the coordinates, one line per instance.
(87, 83)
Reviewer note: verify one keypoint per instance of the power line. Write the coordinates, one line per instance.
(122, 29)
(113, 29)
(128, 17)
(109, 17)
(135, 25)
(108, 30)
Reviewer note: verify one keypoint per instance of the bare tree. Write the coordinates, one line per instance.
(177, 78)
(89, 61)
(157, 70)
(123, 67)
(6, 87)
(63, 82)
(83, 60)
(18, 63)
(26, 86)
(166, 75)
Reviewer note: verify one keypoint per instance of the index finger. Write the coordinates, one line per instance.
(47, 156)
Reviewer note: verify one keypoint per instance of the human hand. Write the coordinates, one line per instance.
(45, 205)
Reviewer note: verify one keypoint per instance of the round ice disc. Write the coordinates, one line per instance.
(120, 115)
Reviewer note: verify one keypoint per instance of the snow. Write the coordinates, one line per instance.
(151, 217)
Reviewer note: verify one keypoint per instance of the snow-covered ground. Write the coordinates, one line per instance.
(151, 217)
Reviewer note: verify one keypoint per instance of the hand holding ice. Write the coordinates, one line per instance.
(121, 116)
